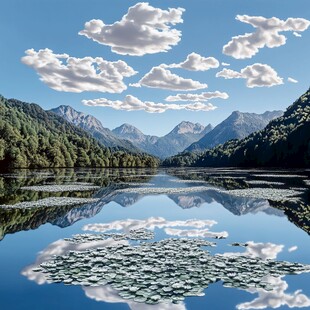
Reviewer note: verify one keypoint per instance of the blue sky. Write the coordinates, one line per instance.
(202, 27)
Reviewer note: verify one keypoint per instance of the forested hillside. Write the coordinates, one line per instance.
(284, 142)
(33, 138)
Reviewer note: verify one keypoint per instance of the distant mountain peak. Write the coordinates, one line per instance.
(127, 129)
(93, 126)
(77, 118)
(236, 126)
(188, 127)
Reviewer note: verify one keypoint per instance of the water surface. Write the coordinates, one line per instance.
(264, 214)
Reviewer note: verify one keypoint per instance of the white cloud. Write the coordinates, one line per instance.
(256, 75)
(131, 103)
(267, 34)
(143, 30)
(197, 233)
(197, 97)
(69, 74)
(296, 34)
(257, 249)
(291, 80)
(229, 74)
(150, 223)
(202, 227)
(225, 64)
(195, 62)
(293, 248)
(160, 77)
(275, 298)
(108, 294)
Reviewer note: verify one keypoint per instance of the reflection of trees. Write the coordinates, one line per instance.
(10, 184)
(14, 220)
(297, 212)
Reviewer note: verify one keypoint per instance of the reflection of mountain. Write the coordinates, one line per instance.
(75, 215)
(234, 204)
(15, 220)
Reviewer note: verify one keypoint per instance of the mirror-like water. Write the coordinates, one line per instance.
(144, 239)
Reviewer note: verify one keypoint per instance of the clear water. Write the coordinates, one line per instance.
(273, 230)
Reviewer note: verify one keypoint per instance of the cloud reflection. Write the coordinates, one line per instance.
(202, 227)
(276, 298)
(108, 294)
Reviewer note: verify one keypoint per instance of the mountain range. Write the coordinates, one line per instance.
(131, 138)
(94, 127)
(174, 142)
(186, 136)
(237, 126)
(284, 142)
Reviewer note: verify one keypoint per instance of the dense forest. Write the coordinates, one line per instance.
(33, 138)
(284, 142)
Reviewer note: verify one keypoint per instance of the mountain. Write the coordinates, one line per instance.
(174, 142)
(284, 142)
(31, 137)
(94, 127)
(237, 126)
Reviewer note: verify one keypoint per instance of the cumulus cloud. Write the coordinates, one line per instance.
(131, 103)
(296, 34)
(110, 295)
(160, 77)
(262, 250)
(197, 97)
(198, 233)
(267, 34)
(199, 228)
(275, 298)
(150, 223)
(69, 74)
(256, 75)
(143, 30)
(291, 80)
(196, 62)
(225, 64)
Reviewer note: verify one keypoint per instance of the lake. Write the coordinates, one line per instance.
(155, 239)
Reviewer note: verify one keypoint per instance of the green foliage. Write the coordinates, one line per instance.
(33, 138)
(284, 142)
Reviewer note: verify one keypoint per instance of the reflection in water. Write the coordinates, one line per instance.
(160, 222)
(276, 298)
(262, 250)
(165, 271)
(108, 294)
(186, 197)
(61, 247)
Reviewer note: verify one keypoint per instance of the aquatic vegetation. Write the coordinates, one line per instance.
(280, 175)
(274, 194)
(165, 271)
(165, 190)
(134, 234)
(50, 202)
(307, 182)
(263, 182)
(53, 188)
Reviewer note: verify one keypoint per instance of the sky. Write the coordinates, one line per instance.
(154, 64)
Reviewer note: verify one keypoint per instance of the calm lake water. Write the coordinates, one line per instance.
(146, 237)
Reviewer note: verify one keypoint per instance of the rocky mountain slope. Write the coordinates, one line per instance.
(174, 142)
(94, 127)
(237, 126)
